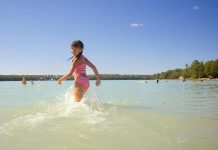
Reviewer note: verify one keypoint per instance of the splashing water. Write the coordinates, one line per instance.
(168, 116)
(65, 106)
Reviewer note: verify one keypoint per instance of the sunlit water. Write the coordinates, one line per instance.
(118, 115)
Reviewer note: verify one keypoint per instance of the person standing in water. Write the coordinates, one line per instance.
(78, 70)
(32, 83)
(24, 81)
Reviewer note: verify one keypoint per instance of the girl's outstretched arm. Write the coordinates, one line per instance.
(98, 80)
(69, 74)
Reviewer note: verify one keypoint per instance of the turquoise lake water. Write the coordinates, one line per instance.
(120, 114)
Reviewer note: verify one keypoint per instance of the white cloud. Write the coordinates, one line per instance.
(136, 25)
(195, 7)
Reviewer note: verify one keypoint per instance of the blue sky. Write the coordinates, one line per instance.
(120, 36)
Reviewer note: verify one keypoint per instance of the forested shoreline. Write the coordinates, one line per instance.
(196, 70)
(91, 77)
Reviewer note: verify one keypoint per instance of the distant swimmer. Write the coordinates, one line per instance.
(78, 70)
(32, 83)
(24, 81)
(157, 80)
(182, 79)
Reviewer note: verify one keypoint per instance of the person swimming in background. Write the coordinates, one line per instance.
(78, 70)
(24, 81)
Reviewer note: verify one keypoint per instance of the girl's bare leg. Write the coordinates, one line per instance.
(78, 92)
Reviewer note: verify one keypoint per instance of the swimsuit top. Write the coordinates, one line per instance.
(80, 69)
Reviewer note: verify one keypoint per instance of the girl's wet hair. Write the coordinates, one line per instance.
(77, 44)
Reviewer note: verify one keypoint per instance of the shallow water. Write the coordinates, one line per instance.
(170, 115)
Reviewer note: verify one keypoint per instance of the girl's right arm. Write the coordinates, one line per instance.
(69, 74)
(98, 80)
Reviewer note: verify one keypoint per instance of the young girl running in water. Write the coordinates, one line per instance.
(78, 70)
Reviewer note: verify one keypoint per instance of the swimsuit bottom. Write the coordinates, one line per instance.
(83, 81)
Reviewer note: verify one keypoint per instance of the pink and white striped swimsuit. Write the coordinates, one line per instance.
(80, 69)
(83, 81)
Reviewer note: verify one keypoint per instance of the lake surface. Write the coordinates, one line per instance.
(122, 115)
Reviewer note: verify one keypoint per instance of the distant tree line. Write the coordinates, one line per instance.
(197, 69)
(91, 77)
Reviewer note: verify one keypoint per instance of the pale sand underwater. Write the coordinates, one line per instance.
(119, 115)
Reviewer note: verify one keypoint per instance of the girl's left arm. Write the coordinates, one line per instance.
(69, 74)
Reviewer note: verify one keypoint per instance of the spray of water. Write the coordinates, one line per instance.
(89, 110)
